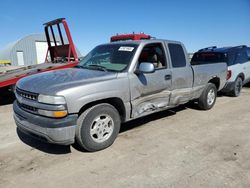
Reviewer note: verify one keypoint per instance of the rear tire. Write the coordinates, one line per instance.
(237, 87)
(98, 127)
(208, 97)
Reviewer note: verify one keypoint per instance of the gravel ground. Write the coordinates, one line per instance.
(183, 147)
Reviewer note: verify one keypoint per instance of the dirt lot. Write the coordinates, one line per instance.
(184, 147)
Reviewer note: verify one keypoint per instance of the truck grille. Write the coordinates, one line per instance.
(26, 94)
(28, 108)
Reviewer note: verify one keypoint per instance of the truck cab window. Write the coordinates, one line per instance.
(153, 53)
(177, 55)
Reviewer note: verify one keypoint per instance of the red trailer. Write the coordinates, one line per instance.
(59, 55)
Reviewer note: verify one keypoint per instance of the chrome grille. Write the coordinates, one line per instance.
(26, 94)
(28, 108)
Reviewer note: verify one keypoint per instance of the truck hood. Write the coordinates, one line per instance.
(54, 81)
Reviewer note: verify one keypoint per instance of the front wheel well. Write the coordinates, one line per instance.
(116, 102)
(215, 81)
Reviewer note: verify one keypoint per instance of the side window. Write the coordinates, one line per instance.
(241, 57)
(248, 54)
(177, 55)
(231, 58)
(153, 53)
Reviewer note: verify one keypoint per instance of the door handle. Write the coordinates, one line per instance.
(168, 77)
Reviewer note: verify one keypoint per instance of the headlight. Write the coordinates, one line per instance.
(51, 99)
(55, 114)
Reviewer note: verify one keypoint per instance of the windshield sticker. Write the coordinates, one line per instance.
(126, 48)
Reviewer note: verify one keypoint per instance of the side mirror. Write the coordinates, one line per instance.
(146, 67)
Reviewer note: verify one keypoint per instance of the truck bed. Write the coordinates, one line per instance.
(205, 72)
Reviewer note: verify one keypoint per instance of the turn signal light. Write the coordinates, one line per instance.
(55, 114)
(58, 114)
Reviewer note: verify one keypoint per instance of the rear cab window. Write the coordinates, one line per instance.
(177, 55)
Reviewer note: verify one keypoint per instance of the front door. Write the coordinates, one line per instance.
(150, 92)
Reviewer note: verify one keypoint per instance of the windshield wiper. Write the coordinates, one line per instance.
(92, 66)
(99, 67)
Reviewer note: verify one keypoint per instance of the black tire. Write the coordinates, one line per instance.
(86, 122)
(238, 84)
(203, 102)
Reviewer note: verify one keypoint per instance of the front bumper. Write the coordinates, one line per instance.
(56, 131)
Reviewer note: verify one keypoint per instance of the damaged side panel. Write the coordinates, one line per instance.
(166, 99)
(151, 103)
(182, 96)
(149, 92)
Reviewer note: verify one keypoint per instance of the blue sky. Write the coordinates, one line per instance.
(196, 23)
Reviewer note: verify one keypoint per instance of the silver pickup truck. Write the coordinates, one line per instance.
(114, 83)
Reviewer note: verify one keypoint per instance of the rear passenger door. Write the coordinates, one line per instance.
(182, 74)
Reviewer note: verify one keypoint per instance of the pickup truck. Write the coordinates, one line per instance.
(115, 83)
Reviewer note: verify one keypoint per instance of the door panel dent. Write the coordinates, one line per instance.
(149, 104)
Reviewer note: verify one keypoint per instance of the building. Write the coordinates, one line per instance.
(29, 50)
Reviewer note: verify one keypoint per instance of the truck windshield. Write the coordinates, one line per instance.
(109, 57)
(208, 57)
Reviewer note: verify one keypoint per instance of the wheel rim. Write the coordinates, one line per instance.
(102, 128)
(210, 97)
(238, 87)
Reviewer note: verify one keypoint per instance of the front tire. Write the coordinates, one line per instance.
(237, 87)
(98, 127)
(208, 97)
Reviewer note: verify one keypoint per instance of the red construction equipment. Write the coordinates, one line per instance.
(60, 54)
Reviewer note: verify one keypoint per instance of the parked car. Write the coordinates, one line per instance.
(238, 62)
(114, 83)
